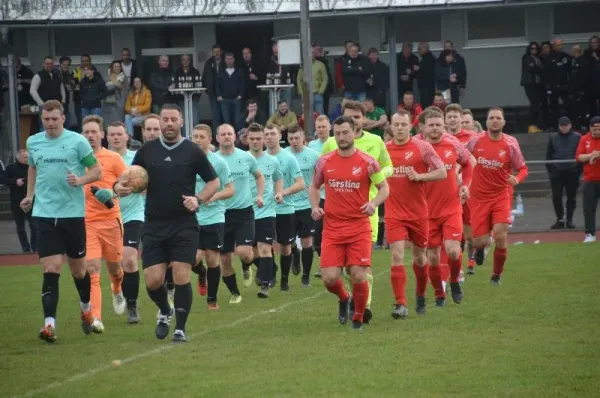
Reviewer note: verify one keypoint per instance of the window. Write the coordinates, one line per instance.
(576, 18)
(414, 28)
(496, 23)
(165, 37)
(77, 41)
(19, 42)
(333, 32)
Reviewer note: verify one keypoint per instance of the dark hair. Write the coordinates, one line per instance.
(118, 123)
(467, 112)
(86, 55)
(49, 57)
(345, 119)
(295, 129)
(255, 128)
(281, 102)
(373, 50)
(229, 54)
(215, 46)
(408, 92)
(63, 59)
(355, 106)
(126, 49)
(251, 101)
(494, 108)
(148, 117)
(368, 99)
(113, 64)
(173, 107)
(272, 126)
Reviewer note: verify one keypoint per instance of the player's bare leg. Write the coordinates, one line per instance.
(131, 283)
(307, 256)
(265, 268)
(154, 276)
(398, 279)
(332, 281)
(435, 275)
(115, 273)
(246, 255)
(452, 248)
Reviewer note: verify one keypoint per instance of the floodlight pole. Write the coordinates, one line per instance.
(306, 59)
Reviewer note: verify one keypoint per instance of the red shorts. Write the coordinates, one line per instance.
(339, 251)
(484, 215)
(466, 214)
(445, 228)
(416, 231)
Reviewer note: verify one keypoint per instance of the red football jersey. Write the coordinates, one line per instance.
(442, 195)
(587, 145)
(407, 198)
(495, 162)
(347, 181)
(464, 136)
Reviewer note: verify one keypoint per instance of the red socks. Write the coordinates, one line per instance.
(499, 260)
(435, 276)
(360, 294)
(421, 275)
(398, 278)
(339, 290)
(455, 267)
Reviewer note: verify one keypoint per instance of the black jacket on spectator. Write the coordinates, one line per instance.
(380, 73)
(330, 83)
(159, 83)
(241, 121)
(10, 176)
(274, 67)
(580, 75)
(3, 87)
(531, 70)
(209, 75)
(68, 81)
(562, 147)
(594, 68)
(92, 91)
(49, 88)
(230, 86)
(426, 74)
(459, 66)
(24, 97)
(250, 90)
(191, 72)
(403, 65)
(559, 70)
(354, 73)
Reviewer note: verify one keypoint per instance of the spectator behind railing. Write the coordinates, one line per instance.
(92, 90)
(117, 89)
(139, 102)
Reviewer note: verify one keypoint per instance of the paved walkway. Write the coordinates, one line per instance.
(537, 217)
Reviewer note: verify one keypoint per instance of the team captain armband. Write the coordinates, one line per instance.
(89, 160)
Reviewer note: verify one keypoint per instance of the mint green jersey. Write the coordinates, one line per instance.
(307, 159)
(269, 167)
(242, 166)
(290, 170)
(317, 145)
(132, 206)
(53, 158)
(214, 212)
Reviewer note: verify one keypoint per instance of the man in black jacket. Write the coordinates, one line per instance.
(557, 75)
(563, 176)
(161, 79)
(212, 67)
(15, 177)
(378, 74)
(426, 75)
(579, 81)
(408, 66)
(254, 75)
(230, 89)
(354, 74)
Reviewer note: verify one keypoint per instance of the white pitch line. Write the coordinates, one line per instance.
(161, 349)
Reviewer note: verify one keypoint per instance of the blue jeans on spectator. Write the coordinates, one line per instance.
(215, 110)
(90, 111)
(231, 109)
(318, 104)
(131, 121)
(355, 96)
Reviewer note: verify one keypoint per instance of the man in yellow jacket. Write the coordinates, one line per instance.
(374, 146)
(319, 83)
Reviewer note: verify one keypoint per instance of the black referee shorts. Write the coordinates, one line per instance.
(304, 225)
(166, 241)
(239, 229)
(264, 230)
(61, 236)
(132, 234)
(211, 237)
(285, 229)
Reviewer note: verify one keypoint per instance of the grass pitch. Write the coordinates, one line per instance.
(536, 335)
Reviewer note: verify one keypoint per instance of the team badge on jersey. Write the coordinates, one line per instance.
(502, 153)
(408, 155)
(356, 170)
(447, 153)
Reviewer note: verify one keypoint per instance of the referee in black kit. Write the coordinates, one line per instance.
(170, 233)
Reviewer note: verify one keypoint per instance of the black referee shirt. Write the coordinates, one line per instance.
(172, 170)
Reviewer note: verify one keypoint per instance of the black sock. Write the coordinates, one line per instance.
(256, 262)
(265, 270)
(169, 279)
(50, 294)
(200, 270)
(380, 234)
(462, 246)
(231, 284)
(245, 266)
(297, 255)
(213, 277)
(131, 286)
(161, 299)
(183, 305)
(307, 260)
(286, 264)
(83, 288)
(318, 250)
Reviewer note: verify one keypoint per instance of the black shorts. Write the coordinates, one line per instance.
(132, 234)
(265, 231)
(211, 237)
(304, 225)
(239, 229)
(61, 236)
(285, 229)
(166, 241)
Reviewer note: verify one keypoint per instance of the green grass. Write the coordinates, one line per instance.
(536, 335)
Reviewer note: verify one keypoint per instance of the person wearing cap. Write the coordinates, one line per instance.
(588, 153)
(563, 176)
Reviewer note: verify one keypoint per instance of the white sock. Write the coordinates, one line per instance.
(179, 331)
(85, 307)
(444, 285)
(49, 321)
